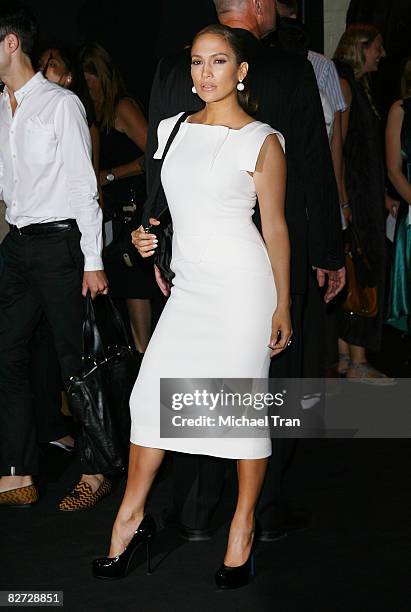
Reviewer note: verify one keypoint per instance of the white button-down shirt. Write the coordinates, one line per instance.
(46, 173)
(328, 81)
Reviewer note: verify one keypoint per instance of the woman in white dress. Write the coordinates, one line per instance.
(228, 312)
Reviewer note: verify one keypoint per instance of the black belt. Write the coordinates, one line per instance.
(39, 229)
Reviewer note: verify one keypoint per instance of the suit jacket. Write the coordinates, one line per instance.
(288, 99)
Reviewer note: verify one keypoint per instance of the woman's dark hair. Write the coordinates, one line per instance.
(247, 103)
(78, 85)
(406, 78)
(17, 19)
(96, 61)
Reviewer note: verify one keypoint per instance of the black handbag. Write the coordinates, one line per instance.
(164, 231)
(121, 250)
(99, 395)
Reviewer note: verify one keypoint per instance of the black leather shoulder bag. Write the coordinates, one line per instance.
(164, 231)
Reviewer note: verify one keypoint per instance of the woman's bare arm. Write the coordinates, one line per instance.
(345, 115)
(393, 151)
(336, 154)
(95, 157)
(130, 121)
(270, 182)
(345, 119)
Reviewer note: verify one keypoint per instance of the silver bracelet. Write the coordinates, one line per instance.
(345, 205)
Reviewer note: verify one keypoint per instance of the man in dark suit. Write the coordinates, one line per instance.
(288, 99)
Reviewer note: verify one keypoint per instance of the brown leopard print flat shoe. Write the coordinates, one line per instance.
(82, 496)
(23, 497)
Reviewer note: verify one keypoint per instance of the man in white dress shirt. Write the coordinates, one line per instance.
(52, 254)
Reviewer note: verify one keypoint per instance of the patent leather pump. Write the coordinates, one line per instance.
(235, 577)
(112, 568)
(227, 577)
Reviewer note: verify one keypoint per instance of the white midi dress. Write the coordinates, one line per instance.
(217, 320)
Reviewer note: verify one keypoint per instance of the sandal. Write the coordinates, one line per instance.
(368, 375)
(344, 363)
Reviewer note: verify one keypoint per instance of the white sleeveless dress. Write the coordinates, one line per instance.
(217, 321)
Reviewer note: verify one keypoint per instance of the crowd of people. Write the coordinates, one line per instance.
(278, 184)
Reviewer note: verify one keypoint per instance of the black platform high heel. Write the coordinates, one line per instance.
(112, 568)
(227, 577)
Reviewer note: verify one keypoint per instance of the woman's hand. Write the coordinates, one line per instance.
(145, 243)
(347, 213)
(391, 205)
(102, 178)
(281, 330)
(161, 282)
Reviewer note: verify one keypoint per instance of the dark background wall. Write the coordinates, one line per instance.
(393, 19)
(137, 42)
(137, 38)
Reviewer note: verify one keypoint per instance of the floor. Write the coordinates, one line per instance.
(354, 557)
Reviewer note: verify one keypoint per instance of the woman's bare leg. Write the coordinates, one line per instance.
(344, 356)
(360, 368)
(144, 464)
(7, 483)
(139, 312)
(358, 354)
(251, 473)
(343, 347)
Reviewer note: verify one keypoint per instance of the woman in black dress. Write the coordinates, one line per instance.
(358, 54)
(60, 64)
(123, 135)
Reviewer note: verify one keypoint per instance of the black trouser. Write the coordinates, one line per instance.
(314, 332)
(41, 275)
(46, 385)
(198, 481)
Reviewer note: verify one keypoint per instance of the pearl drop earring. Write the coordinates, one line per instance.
(193, 89)
(240, 86)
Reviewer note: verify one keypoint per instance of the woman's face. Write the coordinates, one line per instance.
(373, 54)
(214, 68)
(94, 87)
(54, 69)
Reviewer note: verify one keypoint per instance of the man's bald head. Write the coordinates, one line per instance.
(229, 6)
(256, 16)
(287, 8)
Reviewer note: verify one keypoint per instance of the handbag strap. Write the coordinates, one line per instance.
(355, 242)
(148, 205)
(92, 344)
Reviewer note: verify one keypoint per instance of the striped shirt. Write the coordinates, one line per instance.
(328, 80)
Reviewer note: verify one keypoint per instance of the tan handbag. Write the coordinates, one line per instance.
(362, 296)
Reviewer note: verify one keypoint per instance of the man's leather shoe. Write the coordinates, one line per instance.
(293, 520)
(188, 533)
(23, 497)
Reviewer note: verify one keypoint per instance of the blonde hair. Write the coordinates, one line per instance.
(350, 50)
(96, 61)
